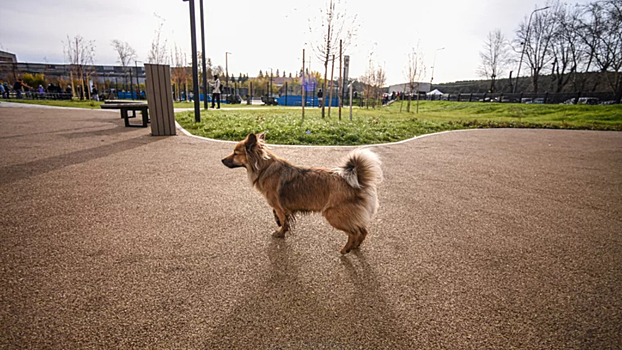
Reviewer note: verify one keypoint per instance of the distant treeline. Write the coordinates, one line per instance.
(594, 82)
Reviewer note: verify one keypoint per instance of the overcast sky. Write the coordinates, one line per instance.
(270, 33)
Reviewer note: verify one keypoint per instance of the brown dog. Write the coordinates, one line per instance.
(346, 195)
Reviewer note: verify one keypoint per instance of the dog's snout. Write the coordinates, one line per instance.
(229, 163)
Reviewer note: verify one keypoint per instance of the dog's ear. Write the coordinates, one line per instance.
(262, 136)
(251, 142)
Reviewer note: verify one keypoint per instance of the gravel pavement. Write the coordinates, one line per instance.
(485, 239)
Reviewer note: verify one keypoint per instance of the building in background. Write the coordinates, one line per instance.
(11, 69)
(7, 57)
(405, 87)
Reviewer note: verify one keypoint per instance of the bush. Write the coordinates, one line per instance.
(34, 80)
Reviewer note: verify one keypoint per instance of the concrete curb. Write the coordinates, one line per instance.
(33, 105)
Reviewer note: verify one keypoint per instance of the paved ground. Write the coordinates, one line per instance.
(485, 239)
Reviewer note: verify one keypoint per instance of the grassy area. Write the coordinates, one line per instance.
(222, 105)
(284, 125)
(389, 124)
(521, 115)
(59, 103)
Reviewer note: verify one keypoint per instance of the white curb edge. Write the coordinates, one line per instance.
(185, 132)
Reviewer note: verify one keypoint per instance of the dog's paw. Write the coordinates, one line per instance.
(278, 234)
(344, 251)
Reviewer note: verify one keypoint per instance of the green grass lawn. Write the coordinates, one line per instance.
(388, 124)
(540, 115)
(222, 105)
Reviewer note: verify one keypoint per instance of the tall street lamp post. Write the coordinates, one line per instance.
(227, 70)
(195, 70)
(434, 64)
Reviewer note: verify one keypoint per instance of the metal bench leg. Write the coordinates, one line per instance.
(145, 113)
(125, 117)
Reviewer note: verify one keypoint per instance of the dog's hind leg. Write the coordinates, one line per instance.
(340, 220)
(281, 218)
(361, 237)
(351, 244)
(276, 218)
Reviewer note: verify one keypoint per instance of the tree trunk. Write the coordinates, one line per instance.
(324, 86)
(417, 98)
(82, 84)
(340, 88)
(328, 39)
(330, 89)
(73, 85)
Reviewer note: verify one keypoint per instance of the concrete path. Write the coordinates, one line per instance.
(486, 239)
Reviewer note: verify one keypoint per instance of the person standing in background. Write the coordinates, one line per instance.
(216, 91)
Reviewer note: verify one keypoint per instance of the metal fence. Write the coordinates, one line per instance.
(292, 96)
(30, 95)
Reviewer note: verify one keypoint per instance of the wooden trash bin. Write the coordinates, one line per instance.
(160, 99)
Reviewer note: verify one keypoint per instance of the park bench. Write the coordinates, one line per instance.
(159, 102)
(129, 106)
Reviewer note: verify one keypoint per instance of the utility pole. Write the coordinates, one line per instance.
(340, 80)
(204, 57)
(304, 101)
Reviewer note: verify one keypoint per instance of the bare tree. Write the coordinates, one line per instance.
(373, 81)
(494, 57)
(335, 25)
(415, 71)
(367, 80)
(125, 52)
(569, 49)
(614, 15)
(603, 30)
(330, 89)
(536, 38)
(158, 51)
(180, 71)
(80, 54)
(380, 79)
(218, 70)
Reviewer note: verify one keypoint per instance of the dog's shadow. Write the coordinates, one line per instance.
(288, 311)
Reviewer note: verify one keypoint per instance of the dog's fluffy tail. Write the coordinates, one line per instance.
(361, 169)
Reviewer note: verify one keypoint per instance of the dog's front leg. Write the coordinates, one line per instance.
(281, 218)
